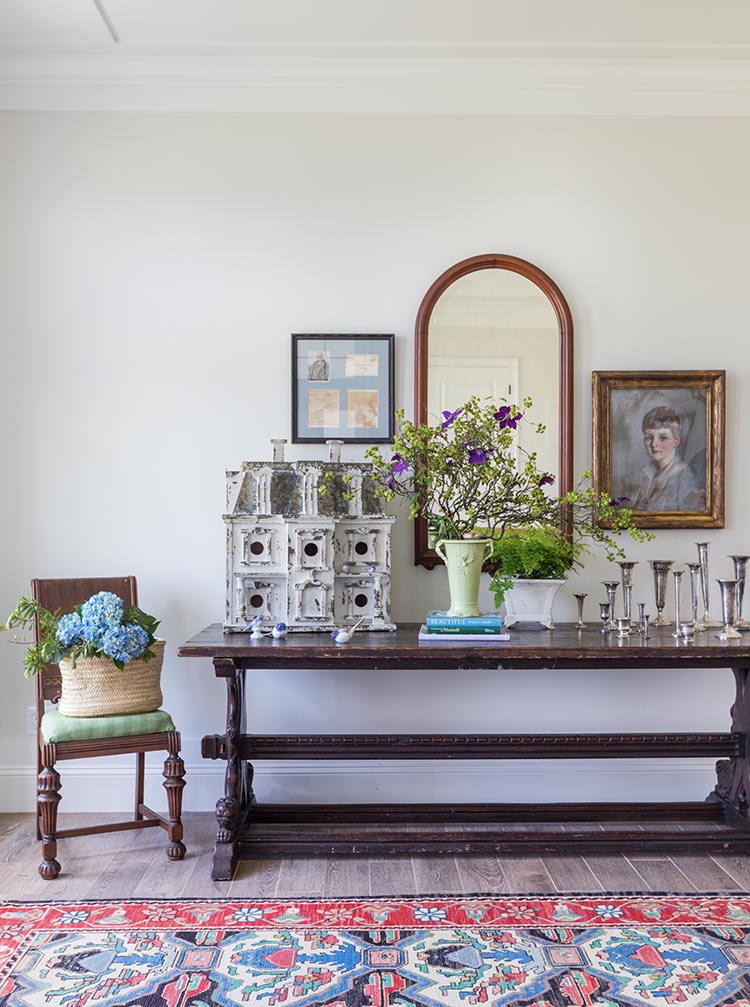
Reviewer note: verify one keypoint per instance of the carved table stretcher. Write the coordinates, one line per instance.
(238, 813)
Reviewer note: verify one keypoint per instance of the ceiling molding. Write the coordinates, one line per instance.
(426, 80)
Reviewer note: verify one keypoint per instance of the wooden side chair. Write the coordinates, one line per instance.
(60, 737)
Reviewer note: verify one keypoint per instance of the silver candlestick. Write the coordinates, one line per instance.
(740, 572)
(641, 613)
(661, 568)
(627, 585)
(611, 586)
(580, 598)
(707, 619)
(694, 570)
(728, 590)
(677, 574)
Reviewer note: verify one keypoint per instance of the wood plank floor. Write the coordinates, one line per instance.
(133, 864)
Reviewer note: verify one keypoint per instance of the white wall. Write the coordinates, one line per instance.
(152, 269)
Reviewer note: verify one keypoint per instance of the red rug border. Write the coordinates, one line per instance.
(434, 896)
(497, 911)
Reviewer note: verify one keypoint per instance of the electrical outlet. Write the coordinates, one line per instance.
(31, 720)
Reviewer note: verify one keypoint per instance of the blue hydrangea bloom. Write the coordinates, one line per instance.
(92, 632)
(124, 643)
(69, 629)
(99, 614)
(104, 608)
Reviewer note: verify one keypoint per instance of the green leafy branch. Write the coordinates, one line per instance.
(27, 615)
(468, 475)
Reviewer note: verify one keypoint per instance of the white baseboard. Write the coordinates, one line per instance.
(99, 787)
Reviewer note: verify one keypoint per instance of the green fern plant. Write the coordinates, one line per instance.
(535, 552)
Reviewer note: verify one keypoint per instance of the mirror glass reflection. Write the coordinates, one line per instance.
(494, 333)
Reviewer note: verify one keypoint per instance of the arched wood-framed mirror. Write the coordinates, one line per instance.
(496, 324)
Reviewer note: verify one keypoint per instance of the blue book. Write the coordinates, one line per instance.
(492, 620)
(464, 630)
(462, 639)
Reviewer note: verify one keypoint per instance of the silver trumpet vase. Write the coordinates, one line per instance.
(694, 569)
(661, 568)
(627, 586)
(580, 598)
(740, 572)
(677, 574)
(728, 588)
(707, 619)
(611, 586)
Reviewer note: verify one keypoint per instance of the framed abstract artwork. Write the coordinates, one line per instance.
(342, 388)
(659, 444)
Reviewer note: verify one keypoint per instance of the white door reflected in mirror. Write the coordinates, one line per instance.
(495, 333)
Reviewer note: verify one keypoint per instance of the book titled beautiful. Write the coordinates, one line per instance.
(464, 630)
(492, 620)
(479, 637)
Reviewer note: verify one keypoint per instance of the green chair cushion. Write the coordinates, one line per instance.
(56, 727)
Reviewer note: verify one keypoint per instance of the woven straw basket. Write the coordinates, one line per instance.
(96, 688)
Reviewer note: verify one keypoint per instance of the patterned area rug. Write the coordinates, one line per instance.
(469, 950)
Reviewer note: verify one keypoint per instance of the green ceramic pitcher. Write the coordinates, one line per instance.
(463, 558)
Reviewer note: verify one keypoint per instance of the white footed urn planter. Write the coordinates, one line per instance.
(531, 601)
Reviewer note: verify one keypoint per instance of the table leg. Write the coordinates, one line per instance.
(233, 807)
(733, 775)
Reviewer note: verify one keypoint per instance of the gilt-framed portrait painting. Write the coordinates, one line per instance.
(659, 444)
(342, 388)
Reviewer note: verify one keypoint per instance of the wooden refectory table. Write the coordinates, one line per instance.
(246, 827)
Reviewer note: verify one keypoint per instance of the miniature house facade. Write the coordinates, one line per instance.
(308, 545)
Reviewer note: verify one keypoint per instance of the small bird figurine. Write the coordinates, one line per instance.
(371, 568)
(253, 628)
(345, 635)
(279, 631)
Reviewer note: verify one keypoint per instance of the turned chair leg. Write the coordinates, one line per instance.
(140, 774)
(38, 771)
(47, 799)
(174, 782)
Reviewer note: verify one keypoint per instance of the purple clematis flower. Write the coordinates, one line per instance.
(616, 501)
(400, 464)
(449, 418)
(504, 418)
(547, 479)
(478, 455)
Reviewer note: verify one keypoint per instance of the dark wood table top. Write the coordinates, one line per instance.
(563, 647)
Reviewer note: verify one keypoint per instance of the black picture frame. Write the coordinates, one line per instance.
(342, 388)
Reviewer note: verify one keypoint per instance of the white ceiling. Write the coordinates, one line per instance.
(682, 57)
(33, 26)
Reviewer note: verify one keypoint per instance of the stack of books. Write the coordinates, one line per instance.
(441, 626)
